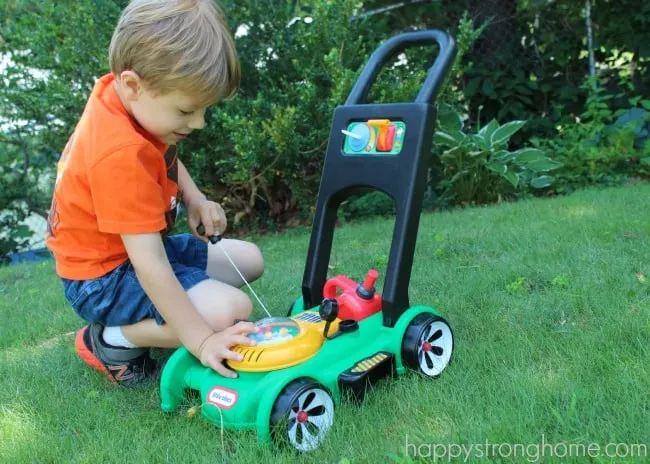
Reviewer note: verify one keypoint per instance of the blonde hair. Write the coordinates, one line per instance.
(177, 45)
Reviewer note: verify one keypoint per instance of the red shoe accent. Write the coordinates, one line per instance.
(88, 357)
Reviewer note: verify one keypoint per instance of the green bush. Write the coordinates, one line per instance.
(54, 52)
(264, 150)
(24, 184)
(479, 168)
(603, 146)
(260, 153)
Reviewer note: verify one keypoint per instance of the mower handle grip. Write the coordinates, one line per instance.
(200, 229)
(394, 45)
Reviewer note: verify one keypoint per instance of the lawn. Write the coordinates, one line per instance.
(549, 300)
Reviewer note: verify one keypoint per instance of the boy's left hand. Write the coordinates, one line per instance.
(208, 213)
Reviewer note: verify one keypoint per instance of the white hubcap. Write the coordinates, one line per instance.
(310, 418)
(434, 348)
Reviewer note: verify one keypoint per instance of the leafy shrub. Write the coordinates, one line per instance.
(53, 51)
(479, 168)
(261, 153)
(604, 146)
(25, 185)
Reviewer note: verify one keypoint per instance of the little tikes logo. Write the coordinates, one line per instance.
(223, 398)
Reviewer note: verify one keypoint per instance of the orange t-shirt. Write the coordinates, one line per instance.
(112, 178)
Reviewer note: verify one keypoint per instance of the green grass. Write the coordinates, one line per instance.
(549, 301)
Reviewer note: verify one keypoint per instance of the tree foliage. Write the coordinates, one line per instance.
(261, 152)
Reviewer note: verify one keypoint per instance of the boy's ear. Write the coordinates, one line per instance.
(131, 84)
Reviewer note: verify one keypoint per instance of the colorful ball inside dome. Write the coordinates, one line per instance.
(272, 330)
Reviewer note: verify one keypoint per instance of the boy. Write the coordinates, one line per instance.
(118, 185)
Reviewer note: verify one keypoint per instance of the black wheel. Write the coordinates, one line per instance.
(302, 414)
(428, 345)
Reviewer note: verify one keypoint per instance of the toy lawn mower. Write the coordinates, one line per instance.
(341, 335)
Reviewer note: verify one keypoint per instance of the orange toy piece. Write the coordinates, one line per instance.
(386, 134)
(358, 300)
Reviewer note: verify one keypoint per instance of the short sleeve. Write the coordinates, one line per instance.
(127, 191)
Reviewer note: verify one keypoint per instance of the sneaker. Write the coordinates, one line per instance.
(124, 366)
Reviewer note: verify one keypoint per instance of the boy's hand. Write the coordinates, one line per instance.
(208, 213)
(216, 347)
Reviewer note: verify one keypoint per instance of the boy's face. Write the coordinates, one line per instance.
(169, 117)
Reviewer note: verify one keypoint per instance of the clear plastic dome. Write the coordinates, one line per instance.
(274, 330)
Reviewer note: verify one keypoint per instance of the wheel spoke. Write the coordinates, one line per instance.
(312, 429)
(323, 422)
(435, 336)
(429, 360)
(437, 350)
(426, 334)
(293, 431)
(437, 362)
(316, 411)
(299, 433)
(306, 400)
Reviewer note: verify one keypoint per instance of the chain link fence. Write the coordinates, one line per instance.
(515, 29)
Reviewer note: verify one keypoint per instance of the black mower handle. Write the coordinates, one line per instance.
(200, 229)
(391, 47)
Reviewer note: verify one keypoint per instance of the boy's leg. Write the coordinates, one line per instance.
(194, 263)
(218, 299)
(220, 305)
(246, 256)
(126, 366)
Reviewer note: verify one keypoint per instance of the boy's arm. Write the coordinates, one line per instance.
(132, 204)
(199, 209)
(149, 259)
(157, 278)
(190, 192)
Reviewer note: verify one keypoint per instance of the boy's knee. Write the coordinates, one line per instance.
(256, 260)
(242, 307)
(235, 306)
(219, 304)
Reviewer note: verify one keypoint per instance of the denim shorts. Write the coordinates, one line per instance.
(117, 298)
